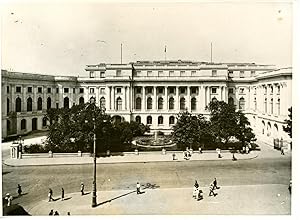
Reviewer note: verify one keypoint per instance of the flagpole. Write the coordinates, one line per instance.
(165, 53)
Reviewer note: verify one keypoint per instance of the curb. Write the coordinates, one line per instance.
(121, 162)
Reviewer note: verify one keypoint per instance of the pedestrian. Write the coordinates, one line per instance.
(138, 188)
(19, 190)
(219, 152)
(68, 213)
(56, 213)
(196, 184)
(282, 150)
(199, 195)
(174, 156)
(82, 188)
(186, 155)
(195, 192)
(247, 148)
(290, 187)
(211, 190)
(62, 194)
(50, 194)
(9, 199)
(200, 150)
(51, 212)
(233, 157)
(215, 184)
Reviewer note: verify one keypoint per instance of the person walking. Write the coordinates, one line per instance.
(219, 152)
(282, 151)
(50, 194)
(9, 199)
(138, 188)
(211, 190)
(195, 192)
(56, 213)
(200, 195)
(215, 184)
(82, 189)
(290, 186)
(51, 212)
(19, 190)
(62, 194)
(196, 184)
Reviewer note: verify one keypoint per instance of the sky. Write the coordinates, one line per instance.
(61, 38)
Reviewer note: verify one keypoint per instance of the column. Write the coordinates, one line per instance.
(207, 95)
(108, 105)
(127, 98)
(166, 98)
(97, 96)
(143, 98)
(226, 93)
(200, 99)
(44, 103)
(123, 98)
(176, 99)
(154, 99)
(248, 99)
(114, 99)
(188, 103)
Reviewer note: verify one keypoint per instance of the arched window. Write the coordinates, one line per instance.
(149, 120)
(40, 104)
(66, 102)
(160, 103)
(269, 131)
(119, 104)
(102, 103)
(171, 120)
(18, 104)
(255, 104)
(7, 106)
(29, 104)
(138, 119)
(160, 120)
(275, 130)
(34, 124)
(81, 100)
(23, 124)
(182, 103)
(193, 103)
(138, 103)
(263, 127)
(271, 106)
(48, 103)
(8, 126)
(242, 104)
(265, 105)
(171, 103)
(231, 101)
(44, 122)
(278, 107)
(149, 103)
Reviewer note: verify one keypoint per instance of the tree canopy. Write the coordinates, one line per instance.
(288, 127)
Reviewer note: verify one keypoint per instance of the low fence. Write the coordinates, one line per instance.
(55, 155)
(280, 143)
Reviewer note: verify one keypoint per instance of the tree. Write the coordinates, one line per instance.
(288, 127)
(227, 123)
(190, 129)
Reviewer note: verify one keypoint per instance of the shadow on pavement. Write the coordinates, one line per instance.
(116, 198)
(14, 209)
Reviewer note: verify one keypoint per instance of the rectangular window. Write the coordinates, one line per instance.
(242, 90)
(57, 106)
(7, 89)
(230, 90)
(182, 90)
(182, 73)
(160, 90)
(252, 73)
(172, 90)
(92, 74)
(102, 91)
(92, 90)
(138, 90)
(81, 90)
(57, 90)
(214, 72)
(149, 73)
(230, 73)
(213, 90)
(160, 73)
(29, 89)
(193, 90)
(102, 74)
(40, 89)
(49, 90)
(193, 72)
(118, 90)
(18, 89)
(118, 72)
(74, 90)
(66, 90)
(149, 89)
(242, 74)
(171, 73)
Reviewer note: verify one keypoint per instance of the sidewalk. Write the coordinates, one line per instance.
(234, 200)
(128, 158)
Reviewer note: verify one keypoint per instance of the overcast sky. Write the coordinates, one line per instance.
(57, 38)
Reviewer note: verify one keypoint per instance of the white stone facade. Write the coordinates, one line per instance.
(152, 93)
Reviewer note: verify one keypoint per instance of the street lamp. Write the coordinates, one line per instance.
(94, 193)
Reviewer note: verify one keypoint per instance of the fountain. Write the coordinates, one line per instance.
(154, 141)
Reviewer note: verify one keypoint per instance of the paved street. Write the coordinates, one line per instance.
(164, 175)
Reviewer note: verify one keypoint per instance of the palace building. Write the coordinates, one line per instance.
(152, 92)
